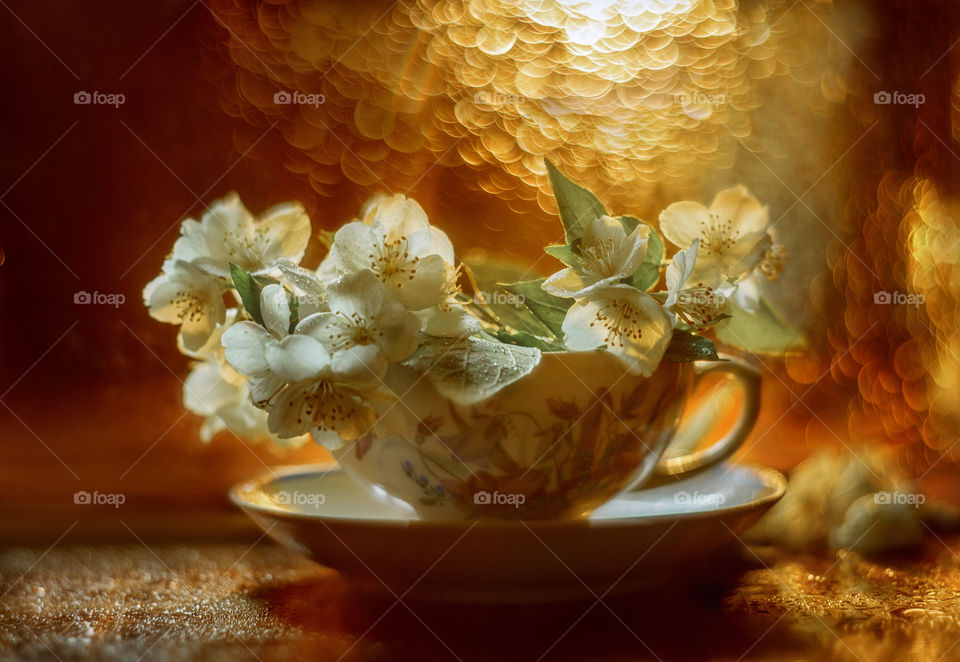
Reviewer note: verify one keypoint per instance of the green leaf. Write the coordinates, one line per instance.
(563, 253)
(485, 277)
(525, 339)
(761, 332)
(249, 289)
(548, 309)
(486, 271)
(685, 347)
(630, 223)
(468, 370)
(648, 274)
(577, 205)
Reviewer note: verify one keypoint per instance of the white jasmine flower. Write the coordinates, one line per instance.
(217, 393)
(745, 294)
(331, 411)
(229, 233)
(698, 305)
(449, 320)
(395, 242)
(295, 378)
(263, 353)
(606, 255)
(186, 295)
(366, 327)
(629, 323)
(732, 234)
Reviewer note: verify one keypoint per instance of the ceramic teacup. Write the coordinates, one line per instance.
(557, 443)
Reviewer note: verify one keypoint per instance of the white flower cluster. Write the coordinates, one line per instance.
(284, 352)
(723, 249)
(324, 338)
(734, 249)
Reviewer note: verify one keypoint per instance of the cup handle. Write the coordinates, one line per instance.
(749, 379)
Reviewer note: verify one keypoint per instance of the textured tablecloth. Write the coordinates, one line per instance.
(244, 601)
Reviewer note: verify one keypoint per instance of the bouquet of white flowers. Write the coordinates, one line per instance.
(284, 351)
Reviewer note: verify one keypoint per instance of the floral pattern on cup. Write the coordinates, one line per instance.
(515, 457)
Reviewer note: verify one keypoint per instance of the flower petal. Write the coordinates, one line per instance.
(679, 270)
(196, 331)
(150, 289)
(212, 425)
(631, 251)
(327, 438)
(186, 286)
(746, 254)
(644, 355)
(398, 331)
(275, 310)
(566, 283)
(353, 244)
(681, 222)
(743, 210)
(345, 414)
(631, 323)
(321, 326)
(430, 285)
(746, 294)
(452, 322)
(244, 345)
(580, 332)
(359, 365)
(248, 422)
(263, 389)
(710, 270)
(205, 390)
(289, 417)
(395, 216)
(358, 293)
(225, 223)
(604, 228)
(192, 242)
(441, 245)
(310, 283)
(297, 358)
(287, 228)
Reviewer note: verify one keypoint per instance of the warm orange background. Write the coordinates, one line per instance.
(93, 393)
(91, 200)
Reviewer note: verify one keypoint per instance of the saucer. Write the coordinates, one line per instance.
(633, 542)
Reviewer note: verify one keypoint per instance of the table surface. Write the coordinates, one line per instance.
(255, 601)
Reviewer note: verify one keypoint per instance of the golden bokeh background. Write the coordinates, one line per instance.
(457, 103)
(647, 103)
